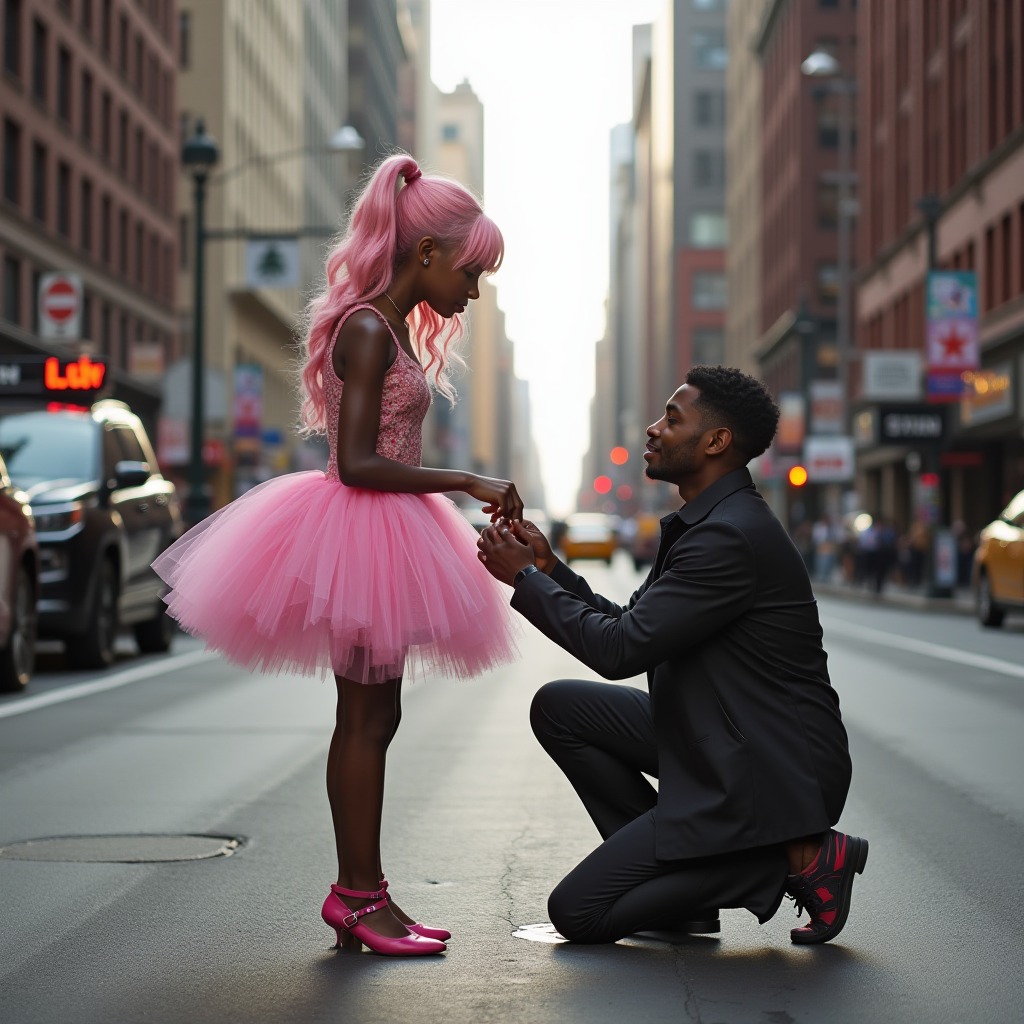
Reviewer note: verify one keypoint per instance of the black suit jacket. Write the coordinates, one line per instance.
(751, 746)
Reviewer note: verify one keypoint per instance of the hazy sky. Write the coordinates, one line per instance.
(554, 77)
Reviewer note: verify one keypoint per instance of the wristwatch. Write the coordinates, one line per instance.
(523, 573)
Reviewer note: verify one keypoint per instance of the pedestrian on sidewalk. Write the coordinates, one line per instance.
(740, 724)
(357, 570)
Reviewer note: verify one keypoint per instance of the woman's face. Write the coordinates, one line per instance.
(449, 288)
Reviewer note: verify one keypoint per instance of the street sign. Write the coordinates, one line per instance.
(272, 263)
(792, 416)
(829, 459)
(60, 306)
(952, 332)
(987, 395)
(826, 407)
(892, 375)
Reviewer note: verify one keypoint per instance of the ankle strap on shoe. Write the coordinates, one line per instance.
(357, 894)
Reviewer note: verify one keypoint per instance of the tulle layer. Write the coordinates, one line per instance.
(303, 574)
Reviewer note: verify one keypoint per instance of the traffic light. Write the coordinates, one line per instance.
(619, 456)
(603, 484)
(798, 476)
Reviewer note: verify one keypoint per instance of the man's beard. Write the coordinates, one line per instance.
(676, 464)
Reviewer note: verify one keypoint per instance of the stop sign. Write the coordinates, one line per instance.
(60, 305)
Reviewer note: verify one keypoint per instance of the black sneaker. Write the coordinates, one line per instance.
(824, 887)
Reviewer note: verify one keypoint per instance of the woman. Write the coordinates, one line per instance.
(359, 569)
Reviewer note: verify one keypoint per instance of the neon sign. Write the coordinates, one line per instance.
(81, 375)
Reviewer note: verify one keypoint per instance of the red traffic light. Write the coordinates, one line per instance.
(798, 476)
(603, 484)
(620, 456)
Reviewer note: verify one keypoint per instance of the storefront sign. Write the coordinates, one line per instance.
(952, 332)
(828, 459)
(910, 424)
(81, 379)
(987, 395)
(892, 375)
(272, 263)
(791, 430)
(248, 402)
(826, 407)
(146, 360)
(60, 306)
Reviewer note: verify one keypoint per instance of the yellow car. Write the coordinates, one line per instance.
(999, 565)
(589, 535)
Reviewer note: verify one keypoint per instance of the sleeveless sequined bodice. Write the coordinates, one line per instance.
(403, 405)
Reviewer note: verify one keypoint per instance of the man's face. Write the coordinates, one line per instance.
(675, 445)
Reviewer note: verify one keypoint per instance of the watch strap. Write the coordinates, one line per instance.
(523, 573)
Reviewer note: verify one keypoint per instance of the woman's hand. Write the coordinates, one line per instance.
(500, 497)
(526, 532)
(503, 554)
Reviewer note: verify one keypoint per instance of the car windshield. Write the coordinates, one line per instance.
(39, 446)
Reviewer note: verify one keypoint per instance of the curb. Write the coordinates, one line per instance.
(917, 602)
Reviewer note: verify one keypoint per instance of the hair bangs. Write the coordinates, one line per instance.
(483, 246)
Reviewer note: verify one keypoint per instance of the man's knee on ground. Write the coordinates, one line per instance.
(565, 913)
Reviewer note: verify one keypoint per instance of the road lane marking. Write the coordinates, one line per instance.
(112, 682)
(925, 647)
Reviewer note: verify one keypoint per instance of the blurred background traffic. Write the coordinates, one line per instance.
(825, 193)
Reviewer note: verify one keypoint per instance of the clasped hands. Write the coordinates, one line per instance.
(511, 545)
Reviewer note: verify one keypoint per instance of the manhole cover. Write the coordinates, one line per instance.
(131, 849)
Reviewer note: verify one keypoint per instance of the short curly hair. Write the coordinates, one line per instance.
(730, 398)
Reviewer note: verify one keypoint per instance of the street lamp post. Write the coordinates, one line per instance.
(198, 154)
(823, 65)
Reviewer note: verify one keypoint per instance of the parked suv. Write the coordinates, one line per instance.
(19, 586)
(103, 513)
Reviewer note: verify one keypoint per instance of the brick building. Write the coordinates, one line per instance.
(90, 159)
(942, 111)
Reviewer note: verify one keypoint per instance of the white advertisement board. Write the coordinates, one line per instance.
(892, 375)
(828, 460)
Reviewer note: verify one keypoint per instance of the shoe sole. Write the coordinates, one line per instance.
(857, 853)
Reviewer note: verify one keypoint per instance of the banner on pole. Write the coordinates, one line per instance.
(952, 332)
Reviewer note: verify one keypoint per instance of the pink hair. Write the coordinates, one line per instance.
(387, 222)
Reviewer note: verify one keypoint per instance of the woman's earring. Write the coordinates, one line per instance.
(426, 262)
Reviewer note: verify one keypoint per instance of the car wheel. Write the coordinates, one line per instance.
(989, 613)
(154, 636)
(18, 658)
(95, 648)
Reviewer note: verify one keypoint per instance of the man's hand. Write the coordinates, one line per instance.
(503, 554)
(529, 534)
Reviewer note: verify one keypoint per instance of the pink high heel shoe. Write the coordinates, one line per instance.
(441, 934)
(339, 916)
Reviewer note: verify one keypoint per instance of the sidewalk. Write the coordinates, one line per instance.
(962, 603)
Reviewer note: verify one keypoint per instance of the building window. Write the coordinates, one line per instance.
(184, 39)
(106, 23)
(87, 106)
(183, 233)
(12, 290)
(708, 346)
(122, 340)
(12, 162)
(106, 117)
(64, 84)
(709, 109)
(87, 215)
(87, 317)
(39, 42)
(140, 156)
(106, 212)
(828, 204)
(139, 254)
(828, 284)
(707, 289)
(708, 229)
(709, 50)
(140, 63)
(12, 37)
(64, 199)
(828, 124)
(122, 142)
(122, 45)
(828, 3)
(708, 168)
(450, 133)
(122, 241)
(105, 329)
(39, 182)
(708, 5)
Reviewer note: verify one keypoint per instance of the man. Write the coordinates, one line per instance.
(740, 726)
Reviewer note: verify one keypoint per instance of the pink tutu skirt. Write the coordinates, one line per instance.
(303, 574)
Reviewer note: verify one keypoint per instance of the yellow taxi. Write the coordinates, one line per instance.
(999, 565)
(589, 535)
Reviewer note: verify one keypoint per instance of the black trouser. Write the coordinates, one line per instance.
(601, 735)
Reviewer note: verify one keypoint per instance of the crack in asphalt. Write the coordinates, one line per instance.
(505, 882)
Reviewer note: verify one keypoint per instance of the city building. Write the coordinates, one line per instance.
(799, 218)
(743, 186)
(241, 74)
(942, 115)
(90, 162)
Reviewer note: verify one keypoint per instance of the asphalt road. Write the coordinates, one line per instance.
(478, 827)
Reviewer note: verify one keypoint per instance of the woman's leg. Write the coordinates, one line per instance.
(366, 723)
